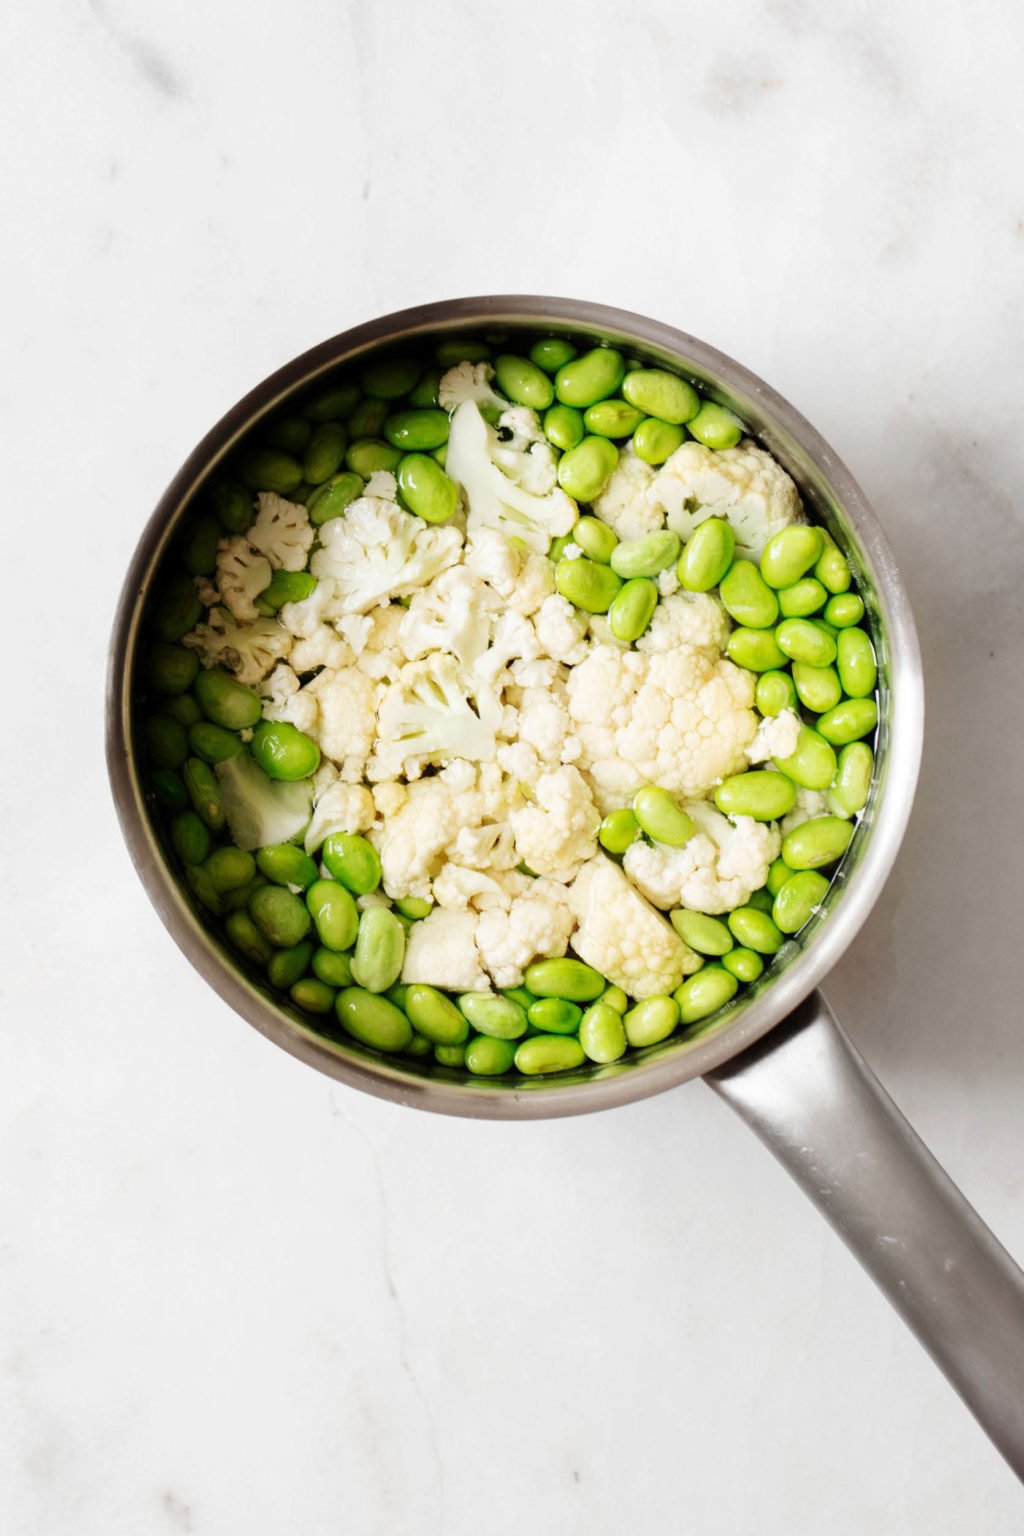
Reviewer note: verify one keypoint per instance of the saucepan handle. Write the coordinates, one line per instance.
(812, 1099)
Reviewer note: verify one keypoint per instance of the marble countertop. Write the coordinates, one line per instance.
(234, 1296)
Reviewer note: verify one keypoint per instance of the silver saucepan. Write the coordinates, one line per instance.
(777, 1054)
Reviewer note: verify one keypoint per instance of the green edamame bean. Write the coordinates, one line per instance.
(552, 353)
(563, 426)
(788, 555)
(661, 817)
(818, 688)
(602, 1033)
(367, 419)
(595, 539)
(426, 392)
(367, 455)
(183, 708)
(488, 1057)
(774, 692)
(212, 742)
(554, 1016)
(614, 998)
(292, 433)
(165, 740)
(833, 568)
(715, 427)
(334, 913)
(244, 936)
(435, 1016)
(283, 751)
(568, 978)
(461, 349)
(661, 394)
(802, 599)
(747, 597)
(241, 895)
(232, 505)
(651, 1020)
(849, 793)
(269, 469)
(190, 838)
(177, 608)
(417, 431)
(632, 609)
(844, 610)
(755, 930)
(798, 900)
(855, 660)
(804, 640)
(312, 995)
(558, 547)
(812, 764)
(230, 868)
(372, 1020)
(333, 403)
(759, 793)
(287, 966)
(817, 842)
(548, 1053)
(204, 792)
(703, 994)
(706, 935)
(778, 873)
(380, 950)
(389, 378)
(281, 917)
(761, 899)
(618, 830)
(495, 1015)
(413, 907)
(521, 995)
(744, 964)
(226, 701)
(590, 378)
(523, 382)
(168, 789)
(450, 1055)
(419, 1045)
(324, 453)
(426, 489)
(584, 471)
(587, 584)
(199, 546)
(331, 967)
(330, 500)
(171, 669)
(612, 418)
(647, 556)
(286, 864)
(707, 556)
(655, 441)
(287, 587)
(353, 861)
(849, 721)
(755, 649)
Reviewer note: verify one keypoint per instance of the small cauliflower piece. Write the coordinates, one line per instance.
(382, 483)
(686, 618)
(624, 504)
(277, 689)
(494, 500)
(546, 725)
(809, 803)
(459, 888)
(440, 950)
(537, 924)
(282, 531)
(304, 618)
(534, 584)
(744, 485)
(469, 381)
(261, 811)
(777, 736)
(514, 639)
(492, 557)
(378, 551)
(433, 711)
(323, 648)
(340, 808)
(242, 574)
(718, 869)
(346, 723)
(418, 826)
(526, 457)
(561, 630)
(558, 830)
(247, 650)
(454, 613)
(622, 936)
(488, 846)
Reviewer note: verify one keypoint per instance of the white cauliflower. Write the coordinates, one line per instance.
(668, 581)
(247, 650)
(346, 724)
(557, 831)
(323, 648)
(514, 638)
(418, 826)
(340, 808)
(282, 531)
(777, 736)
(681, 719)
(534, 584)
(491, 556)
(491, 845)
(383, 655)
(561, 630)
(440, 949)
(809, 803)
(356, 628)
(433, 711)
(378, 551)
(242, 574)
(458, 888)
(382, 483)
(546, 725)
(624, 503)
(686, 618)
(744, 485)
(493, 499)
(526, 456)
(305, 618)
(720, 867)
(261, 811)
(622, 936)
(277, 689)
(537, 924)
(454, 613)
(520, 760)
(468, 381)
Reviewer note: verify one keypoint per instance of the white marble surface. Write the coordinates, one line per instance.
(236, 1297)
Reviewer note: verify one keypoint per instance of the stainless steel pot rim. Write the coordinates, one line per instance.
(785, 431)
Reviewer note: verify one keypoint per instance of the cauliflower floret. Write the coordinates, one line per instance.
(356, 628)
(432, 712)
(624, 504)
(459, 776)
(686, 618)
(282, 531)
(340, 808)
(668, 581)
(345, 725)
(247, 650)
(622, 936)
(534, 584)
(681, 719)
(561, 630)
(720, 867)
(323, 648)
(440, 950)
(537, 923)
(521, 761)
(304, 618)
(277, 689)
(417, 830)
(527, 456)
(377, 551)
(489, 846)
(809, 803)
(777, 736)
(459, 888)
(468, 381)
(744, 485)
(558, 831)
(493, 499)
(242, 574)
(513, 638)
(455, 614)
(541, 673)
(382, 483)
(545, 724)
(492, 557)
